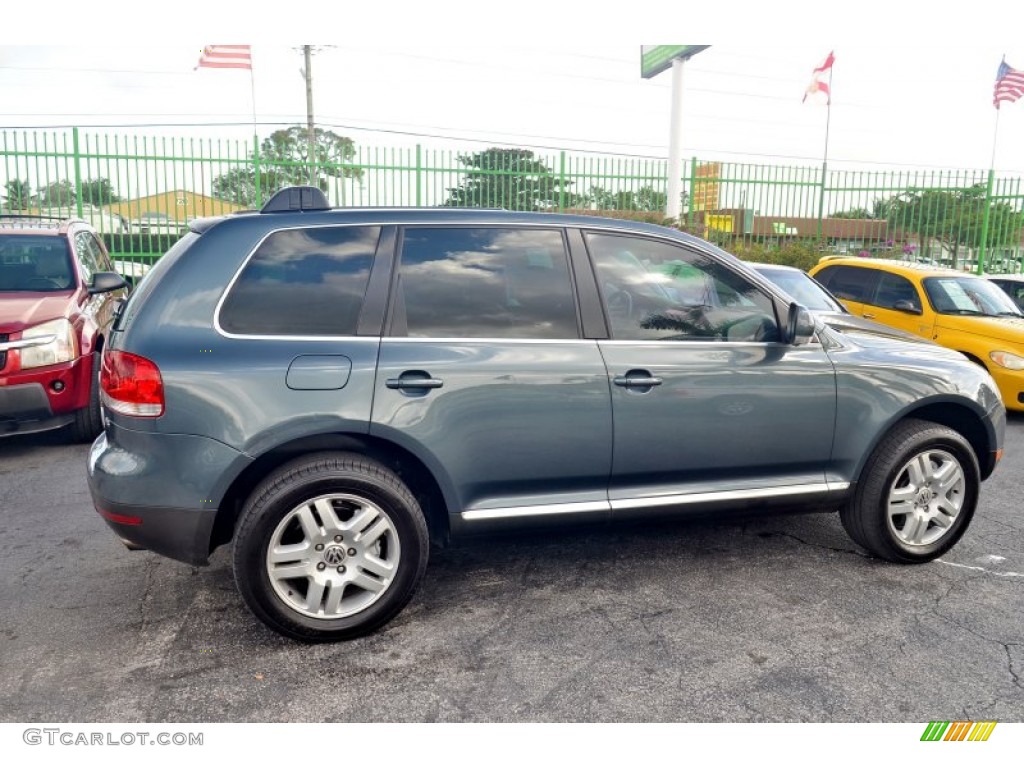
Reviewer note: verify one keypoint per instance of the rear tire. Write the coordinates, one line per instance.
(917, 493)
(329, 547)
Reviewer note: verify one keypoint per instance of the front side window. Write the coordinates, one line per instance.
(654, 290)
(36, 263)
(485, 282)
(896, 292)
(303, 282)
(88, 256)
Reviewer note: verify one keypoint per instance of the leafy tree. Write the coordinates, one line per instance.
(99, 192)
(853, 213)
(646, 198)
(879, 210)
(955, 217)
(17, 193)
(284, 158)
(57, 194)
(512, 179)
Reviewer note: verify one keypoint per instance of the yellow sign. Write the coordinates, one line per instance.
(704, 195)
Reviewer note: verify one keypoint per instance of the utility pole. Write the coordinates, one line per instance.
(308, 72)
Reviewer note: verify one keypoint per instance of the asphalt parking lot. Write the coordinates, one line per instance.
(774, 619)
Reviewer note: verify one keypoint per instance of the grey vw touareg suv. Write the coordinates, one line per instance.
(330, 389)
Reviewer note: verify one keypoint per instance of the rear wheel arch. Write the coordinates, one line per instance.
(412, 471)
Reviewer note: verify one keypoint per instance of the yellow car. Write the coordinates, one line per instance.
(957, 310)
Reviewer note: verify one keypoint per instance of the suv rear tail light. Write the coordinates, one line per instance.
(131, 385)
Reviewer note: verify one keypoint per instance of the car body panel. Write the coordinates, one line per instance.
(517, 429)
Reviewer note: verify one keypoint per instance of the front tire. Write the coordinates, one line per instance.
(917, 494)
(330, 547)
(88, 421)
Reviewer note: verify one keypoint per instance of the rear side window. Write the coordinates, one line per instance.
(851, 283)
(485, 282)
(303, 282)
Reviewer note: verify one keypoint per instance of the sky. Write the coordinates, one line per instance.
(906, 93)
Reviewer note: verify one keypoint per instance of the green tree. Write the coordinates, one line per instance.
(646, 198)
(879, 210)
(955, 217)
(852, 213)
(17, 193)
(99, 192)
(285, 160)
(57, 194)
(513, 179)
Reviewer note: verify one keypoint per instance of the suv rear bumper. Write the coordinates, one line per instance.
(161, 492)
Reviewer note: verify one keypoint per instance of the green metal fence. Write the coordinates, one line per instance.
(141, 192)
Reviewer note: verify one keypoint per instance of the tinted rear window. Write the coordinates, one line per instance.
(303, 282)
(852, 283)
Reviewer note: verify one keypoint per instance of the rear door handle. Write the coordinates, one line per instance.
(868, 316)
(414, 380)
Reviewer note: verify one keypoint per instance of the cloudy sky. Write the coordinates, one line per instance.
(905, 95)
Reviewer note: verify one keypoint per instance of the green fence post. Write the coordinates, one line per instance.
(984, 220)
(419, 175)
(561, 182)
(78, 172)
(256, 162)
(821, 199)
(693, 182)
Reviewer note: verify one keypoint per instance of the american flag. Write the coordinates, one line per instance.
(226, 57)
(1009, 84)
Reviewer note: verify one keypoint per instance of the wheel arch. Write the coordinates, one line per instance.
(955, 415)
(413, 472)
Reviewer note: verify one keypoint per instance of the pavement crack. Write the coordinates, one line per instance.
(839, 550)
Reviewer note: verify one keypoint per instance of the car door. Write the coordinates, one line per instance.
(898, 303)
(483, 374)
(708, 405)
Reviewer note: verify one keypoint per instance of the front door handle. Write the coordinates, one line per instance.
(868, 316)
(414, 380)
(637, 379)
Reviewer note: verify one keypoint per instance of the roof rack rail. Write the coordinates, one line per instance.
(36, 216)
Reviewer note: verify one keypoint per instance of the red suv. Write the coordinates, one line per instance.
(58, 296)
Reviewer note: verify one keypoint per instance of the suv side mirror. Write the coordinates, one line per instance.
(104, 282)
(907, 306)
(800, 325)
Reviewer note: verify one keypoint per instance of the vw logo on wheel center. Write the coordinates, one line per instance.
(334, 555)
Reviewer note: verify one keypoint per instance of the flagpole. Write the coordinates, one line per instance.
(995, 137)
(988, 193)
(824, 161)
(255, 139)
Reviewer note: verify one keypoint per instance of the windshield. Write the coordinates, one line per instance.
(965, 295)
(34, 263)
(802, 287)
